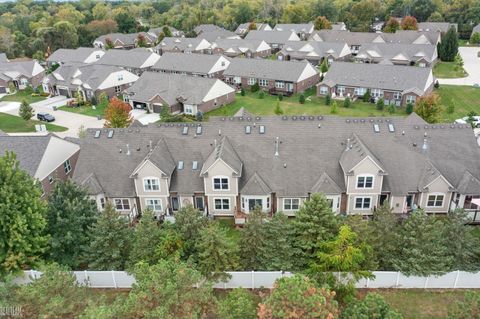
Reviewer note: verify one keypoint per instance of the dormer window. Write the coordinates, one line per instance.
(365, 181)
(220, 183)
(151, 184)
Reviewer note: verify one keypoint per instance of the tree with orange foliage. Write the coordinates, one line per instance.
(392, 25)
(298, 297)
(321, 22)
(409, 23)
(428, 107)
(117, 114)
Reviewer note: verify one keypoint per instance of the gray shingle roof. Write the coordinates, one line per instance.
(390, 51)
(206, 28)
(266, 69)
(3, 58)
(389, 77)
(315, 49)
(186, 62)
(306, 152)
(436, 26)
(237, 45)
(71, 55)
(181, 43)
(28, 149)
(357, 38)
(476, 28)
(170, 87)
(13, 69)
(295, 27)
(326, 185)
(279, 37)
(256, 186)
(243, 27)
(217, 34)
(134, 58)
(127, 39)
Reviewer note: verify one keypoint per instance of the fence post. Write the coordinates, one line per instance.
(253, 280)
(398, 279)
(87, 280)
(368, 282)
(426, 283)
(114, 281)
(456, 279)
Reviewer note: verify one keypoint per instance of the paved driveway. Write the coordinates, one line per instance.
(471, 65)
(70, 120)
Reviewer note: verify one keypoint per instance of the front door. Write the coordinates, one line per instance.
(289, 87)
(199, 203)
(383, 198)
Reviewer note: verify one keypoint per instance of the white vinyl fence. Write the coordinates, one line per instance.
(266, 279)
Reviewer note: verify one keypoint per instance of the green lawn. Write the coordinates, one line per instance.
(464, 98)
(20, 96)
(419, 303)
(291, 106)
(447, 70)
(86, 110)
(14, 124)
(233, 233)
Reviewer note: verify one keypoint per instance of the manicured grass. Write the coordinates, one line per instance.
(448, 70)
(14, 124)
(232, 232)
(22, 95)
(419, 303)
(464, 98)
(86, 110)
(290, 105)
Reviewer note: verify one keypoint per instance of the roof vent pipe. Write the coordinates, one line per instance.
(150, 144)
(348, 145)
(276, 146)
(219, 132)
(425, 145)
(128, 149)
(215, 143)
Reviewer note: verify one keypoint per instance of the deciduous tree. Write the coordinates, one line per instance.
(372, 306)
(22, 218)
(392, 25)
(70, 215)
(428, 107)
(321, 22)
(409, 23)
(117, 114)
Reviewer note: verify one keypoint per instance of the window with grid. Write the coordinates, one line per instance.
(222, 203)
(122, 204)
(220, 183)
(151, 184)
(365, 182)
(291, 203)
(154, 205)
(363, 202)
(67, 167)
(263, 82)
(435, 200)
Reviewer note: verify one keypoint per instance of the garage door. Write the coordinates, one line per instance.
(3, 90)
(63, 92)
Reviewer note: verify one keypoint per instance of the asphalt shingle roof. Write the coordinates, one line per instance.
(187, 62)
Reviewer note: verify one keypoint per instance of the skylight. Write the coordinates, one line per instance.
(391, 128)
(262, 129)
(97, 133)
(180, 165)
(185, 130)
(376, 128)
(110, 134)
(248, 129)
(199, 130)
(195, 165)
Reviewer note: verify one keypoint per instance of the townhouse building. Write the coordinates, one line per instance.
(244, 28)
(78, 55)
(204, 65)
(228, 166)
(275, 39)
(124, 40)
(303, 30)
(395, 84)
(241, 48)
(20, 75)
(185, 45)
(135, 60)
(315, 51)
(274, 76)
(422, 55)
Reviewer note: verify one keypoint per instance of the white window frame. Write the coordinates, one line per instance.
(118, 89)
(122, 204)
(120, 77)
(377, 93)
(263, 82)
(188, 109)
(411, 99)
(279, 84)
(340, 90)
(251, 81)
(237, 80)
(360, 91)
(222, 203)
(221, 189)
(364, 176)
(291, 204)
(436, 195)
(24, 81)
(153, 203)
(151, 185)
(397, 95)
(67, 167)
(363, 202)
(323, 90)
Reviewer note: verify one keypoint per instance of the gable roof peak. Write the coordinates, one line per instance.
(256, 185)
(326, 185)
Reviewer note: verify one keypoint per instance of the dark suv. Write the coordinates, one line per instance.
(45, 117)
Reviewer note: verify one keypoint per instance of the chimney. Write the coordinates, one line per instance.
(128, 149)
(276, 146)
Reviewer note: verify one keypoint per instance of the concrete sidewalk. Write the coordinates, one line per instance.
(471, 65)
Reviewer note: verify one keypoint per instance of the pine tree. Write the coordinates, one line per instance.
(314, 222)
(70, 215)
(422, 247)
(110, 239)
(146, 237)
(324, 66)
(25, 111)
(239, 304)
(448, 48)
(189, 222)
(252, 241)
(346, 102)
(277, 253)
(384, 233)
(461, 243)
(372, 306)
(380, 104)
(216, 253)
(22, 217)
